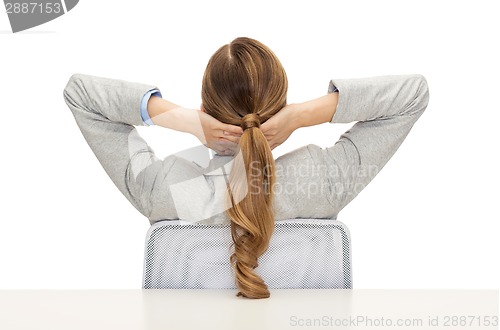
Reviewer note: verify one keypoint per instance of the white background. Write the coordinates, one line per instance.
(428, 220)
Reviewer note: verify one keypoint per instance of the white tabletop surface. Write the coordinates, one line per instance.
(221, 309)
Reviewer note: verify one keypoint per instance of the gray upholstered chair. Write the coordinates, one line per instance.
(302, 253)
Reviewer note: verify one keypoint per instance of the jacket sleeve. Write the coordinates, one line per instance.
(384, 109)
(106, 111)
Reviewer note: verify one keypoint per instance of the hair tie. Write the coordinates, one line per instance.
(250, 120)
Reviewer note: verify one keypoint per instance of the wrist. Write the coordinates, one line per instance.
(184, 120)
(319, 110)
(160, 112)
(297, 116)
(307, 113)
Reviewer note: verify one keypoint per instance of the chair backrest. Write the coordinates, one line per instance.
(302, 253)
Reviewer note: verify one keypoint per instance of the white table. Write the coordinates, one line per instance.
(221, 309)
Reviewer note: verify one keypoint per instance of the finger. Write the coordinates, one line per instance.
(270, 138)
(226, 145)
(227, 152)
(268, 127)
(224, 142)
(231, 129)
(268, 132)
(231, 152)
(218, 148)
(231, 138)
(232, 146)
(228, 134)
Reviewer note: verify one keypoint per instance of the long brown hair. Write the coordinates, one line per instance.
(245, 84)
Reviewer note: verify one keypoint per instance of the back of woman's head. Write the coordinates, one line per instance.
(245, 84)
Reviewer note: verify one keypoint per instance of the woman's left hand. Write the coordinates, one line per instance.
(221, 137)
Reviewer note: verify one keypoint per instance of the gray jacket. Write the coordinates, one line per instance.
(311, 182)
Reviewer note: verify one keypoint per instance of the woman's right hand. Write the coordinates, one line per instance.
(280, 126)
(314, 112)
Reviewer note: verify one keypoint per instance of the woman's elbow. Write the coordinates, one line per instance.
(423, 91)
(72, 92)
(421, 96)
